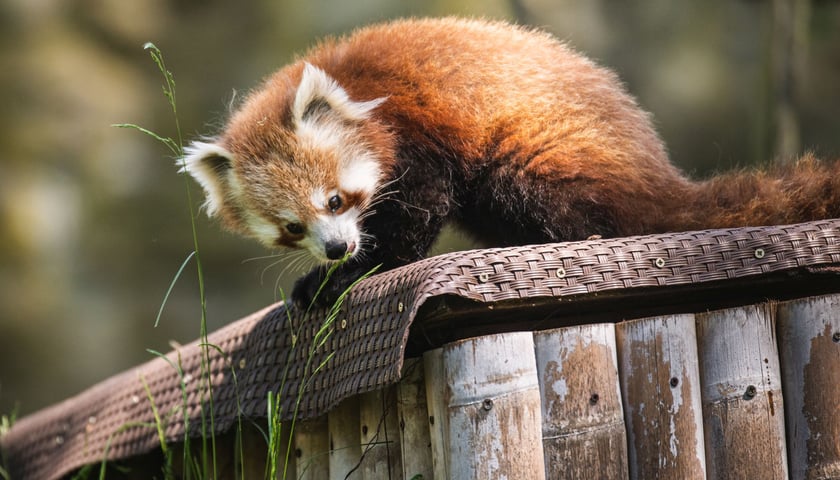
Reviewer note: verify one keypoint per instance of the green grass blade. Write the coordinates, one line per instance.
(171, 286)
(170, 144)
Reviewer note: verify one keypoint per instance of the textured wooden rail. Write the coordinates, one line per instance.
(518, 288)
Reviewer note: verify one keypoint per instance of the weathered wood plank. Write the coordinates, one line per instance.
(660, 386)
(312, 448)
(345, 448)
(809, 340)
(494, 408)
(436, 403)
(414, 422)
(742, 393)
(582, 418)
(380, 435)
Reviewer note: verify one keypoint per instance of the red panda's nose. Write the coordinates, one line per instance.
(335, 249)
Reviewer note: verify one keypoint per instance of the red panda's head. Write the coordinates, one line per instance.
(296, 166)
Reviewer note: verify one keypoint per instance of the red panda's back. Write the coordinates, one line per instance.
(492, 83)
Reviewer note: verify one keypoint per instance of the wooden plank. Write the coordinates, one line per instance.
(494, 408)
(809, 339)
(660, 385)
(312, 448)
(742, 393)
(436, 403)
(414, 422)
(380, 435)
(345, 448)
(582, 418)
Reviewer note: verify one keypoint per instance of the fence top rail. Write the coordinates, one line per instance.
(364, 346)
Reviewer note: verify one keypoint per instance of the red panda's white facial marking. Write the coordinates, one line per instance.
(331, 236)
(263, 230)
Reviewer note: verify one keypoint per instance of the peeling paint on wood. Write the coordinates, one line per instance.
(742, 391)
(583, 422)
(660, 387)
(809, 339)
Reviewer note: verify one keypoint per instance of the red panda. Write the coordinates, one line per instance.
(368, 144)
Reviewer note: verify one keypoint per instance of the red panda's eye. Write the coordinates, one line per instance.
(334, 203)
(294, 228)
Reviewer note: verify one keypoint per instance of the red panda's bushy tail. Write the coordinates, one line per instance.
(805, 190)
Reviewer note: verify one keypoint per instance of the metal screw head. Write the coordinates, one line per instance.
(561, 272)
(751, 392)
(487, 404)
(659, 262)
(674, 382)
(483, 277)
(594, 398)
(836, 337)
(759, 253)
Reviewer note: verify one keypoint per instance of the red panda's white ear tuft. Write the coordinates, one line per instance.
(210, 165)
(319, 93)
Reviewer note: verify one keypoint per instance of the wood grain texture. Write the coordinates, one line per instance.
(742, 393)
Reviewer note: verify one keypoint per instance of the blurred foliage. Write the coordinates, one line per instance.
(95, 221)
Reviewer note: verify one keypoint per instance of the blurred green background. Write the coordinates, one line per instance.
(94, 220)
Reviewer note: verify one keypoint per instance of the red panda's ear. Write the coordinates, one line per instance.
(210, 165)
(319, 94)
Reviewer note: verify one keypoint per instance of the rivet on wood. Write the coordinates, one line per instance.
(836, 337)
(674, 382)
(561, 273)
(483, 277)
(751, 392)
(659, 262)
(487, 404)
(759, 253)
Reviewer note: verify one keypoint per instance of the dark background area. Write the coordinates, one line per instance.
(94, 220)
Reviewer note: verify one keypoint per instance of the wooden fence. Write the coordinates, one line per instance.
(747, 392)
(577, 360)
